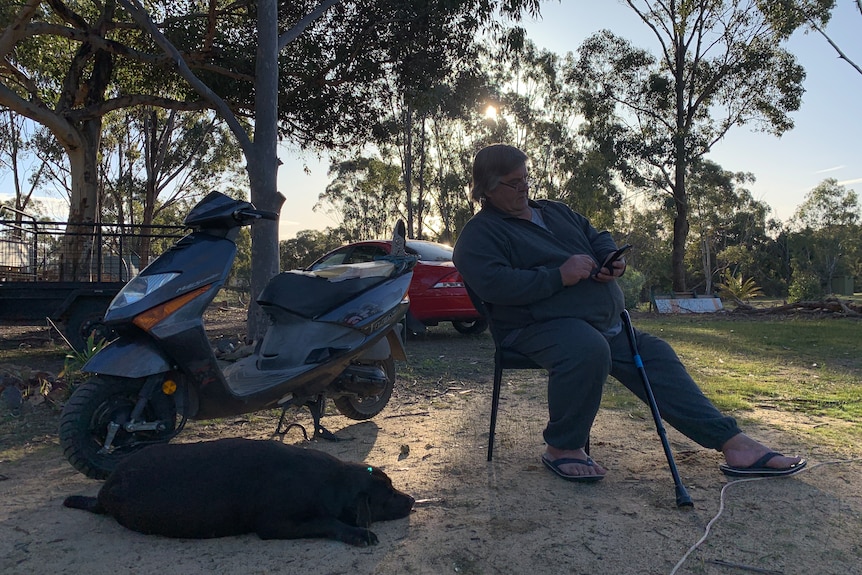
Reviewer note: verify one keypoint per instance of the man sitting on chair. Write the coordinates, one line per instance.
(541, 267)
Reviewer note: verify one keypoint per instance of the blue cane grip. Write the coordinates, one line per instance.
(638, 361)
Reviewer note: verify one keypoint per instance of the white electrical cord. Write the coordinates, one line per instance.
(721, 505)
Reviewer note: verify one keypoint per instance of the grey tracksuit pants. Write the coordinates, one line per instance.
(579, 358)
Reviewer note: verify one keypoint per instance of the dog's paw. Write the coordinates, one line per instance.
(360, 537)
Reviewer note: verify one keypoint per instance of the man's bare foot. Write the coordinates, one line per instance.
(742, 451)
(583, 469)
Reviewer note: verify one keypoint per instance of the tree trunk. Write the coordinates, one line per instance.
(420, 194)
(262, 165)
(79, 259)
(707, 263)
(680, 222)
(408, 168)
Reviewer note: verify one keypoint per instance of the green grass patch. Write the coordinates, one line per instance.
(812, 366)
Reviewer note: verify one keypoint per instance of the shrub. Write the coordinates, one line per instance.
(632, 282)
(805, 287)
(75, 361)
(737, 288)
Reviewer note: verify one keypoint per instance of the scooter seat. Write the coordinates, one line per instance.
(309, 295)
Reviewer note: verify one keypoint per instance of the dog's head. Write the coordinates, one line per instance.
(377, 499)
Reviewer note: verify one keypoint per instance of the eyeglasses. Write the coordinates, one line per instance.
(518, 184)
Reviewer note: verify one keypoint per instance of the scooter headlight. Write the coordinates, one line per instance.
(139, 287)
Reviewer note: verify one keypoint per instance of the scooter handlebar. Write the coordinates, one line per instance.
(255, 214)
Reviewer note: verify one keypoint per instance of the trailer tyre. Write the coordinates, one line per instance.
(87, 317)
(361, 408)
(97, 403)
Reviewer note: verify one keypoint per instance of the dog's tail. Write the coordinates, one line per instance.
(90, 504)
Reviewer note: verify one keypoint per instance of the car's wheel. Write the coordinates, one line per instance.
(93, 407)
(470, 327)
(360, 407)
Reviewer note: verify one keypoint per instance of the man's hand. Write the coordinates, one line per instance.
(617, 268)
(576, 268)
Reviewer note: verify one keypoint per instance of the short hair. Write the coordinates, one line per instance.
(492, 163)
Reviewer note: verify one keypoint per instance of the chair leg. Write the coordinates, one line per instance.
(495, 403)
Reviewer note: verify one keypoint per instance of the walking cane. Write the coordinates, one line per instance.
(682, 497)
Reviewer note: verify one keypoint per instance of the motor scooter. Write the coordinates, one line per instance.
(334, 333)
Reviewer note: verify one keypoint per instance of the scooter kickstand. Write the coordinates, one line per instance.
(316, 408)
(280, 431)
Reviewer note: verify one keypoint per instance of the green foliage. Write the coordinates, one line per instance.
(307, 246)
(75, 361)
(788, 15)
(632, 283)
(738, 288)
(825, 241)
(660, 116)
(828, 205)
(805, 287)
(365, 193)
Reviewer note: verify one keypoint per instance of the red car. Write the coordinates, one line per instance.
(436, 292)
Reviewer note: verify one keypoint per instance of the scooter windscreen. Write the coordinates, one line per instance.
(216, 210)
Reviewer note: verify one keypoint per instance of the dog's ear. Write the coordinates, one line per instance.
(354, 506)
(363, 510)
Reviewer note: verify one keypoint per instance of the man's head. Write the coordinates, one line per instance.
(491, 164)
(500, 179)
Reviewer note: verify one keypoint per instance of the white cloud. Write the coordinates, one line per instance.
(835, 169)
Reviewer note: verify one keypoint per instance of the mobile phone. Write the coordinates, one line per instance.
(611, 259)
(617, 255)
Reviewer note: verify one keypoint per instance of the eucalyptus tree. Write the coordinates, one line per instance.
(719, 64)
(826, 233)
(809, 14)
(18, 158)
(729, 223)
(65, 66)
(541, 111)
(156, 163)
(324, 91)
(365, 195)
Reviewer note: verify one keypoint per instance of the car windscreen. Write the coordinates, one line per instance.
(431, 252)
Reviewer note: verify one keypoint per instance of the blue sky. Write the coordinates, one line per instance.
(825, 143)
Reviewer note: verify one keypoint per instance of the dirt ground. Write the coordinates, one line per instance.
(511, 516)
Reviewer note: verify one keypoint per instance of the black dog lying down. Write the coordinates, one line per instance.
(235, 486)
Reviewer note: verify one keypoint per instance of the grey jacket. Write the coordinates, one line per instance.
(514, 264)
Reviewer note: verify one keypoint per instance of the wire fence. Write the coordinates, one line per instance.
(45, 251)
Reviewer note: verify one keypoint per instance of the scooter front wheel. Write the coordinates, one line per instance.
(365, 407)
(88, 417)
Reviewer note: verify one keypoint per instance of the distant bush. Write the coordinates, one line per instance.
(805, 287)
(632, 283)
(737, 288)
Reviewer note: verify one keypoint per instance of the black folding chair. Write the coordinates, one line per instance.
(504, 358)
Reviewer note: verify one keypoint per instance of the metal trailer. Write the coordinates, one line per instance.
(36, 284)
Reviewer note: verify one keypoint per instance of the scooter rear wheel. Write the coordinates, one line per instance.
(95, 404)
(361, 408)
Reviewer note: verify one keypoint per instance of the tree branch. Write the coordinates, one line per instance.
(841, 53)
(143, 19)
(130, 100)
(14, 31)
(36, 110)
(300, 26)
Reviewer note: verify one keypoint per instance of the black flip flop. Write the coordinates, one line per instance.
(759, 468)
(555, 467)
